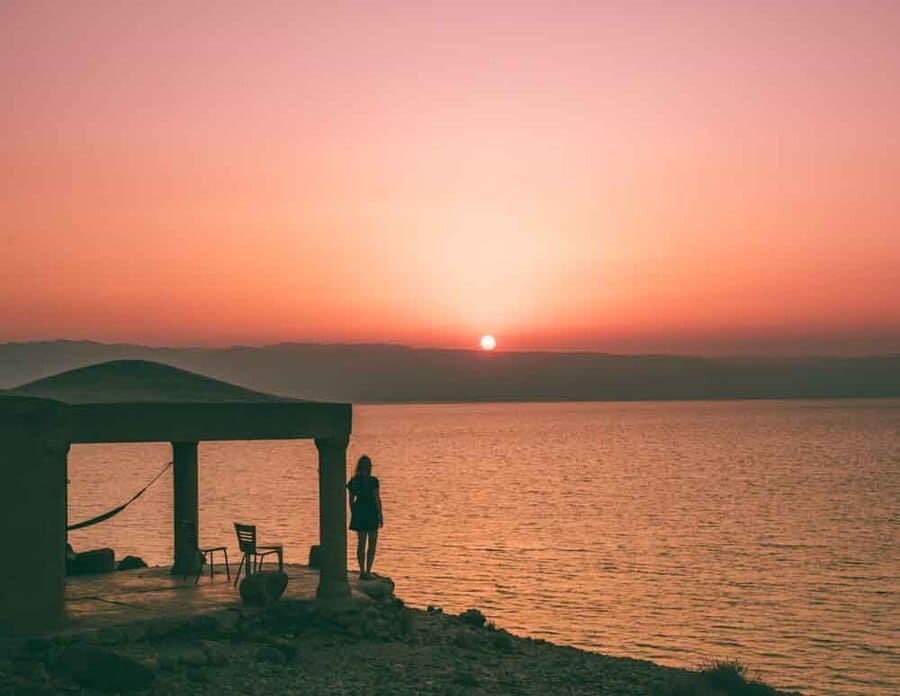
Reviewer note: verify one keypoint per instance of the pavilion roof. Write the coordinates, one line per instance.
(137, 400)
(132, 381)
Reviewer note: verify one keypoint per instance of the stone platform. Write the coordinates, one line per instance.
(128, 596)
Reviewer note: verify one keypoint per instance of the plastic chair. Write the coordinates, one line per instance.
(253, 553)
(207, 553)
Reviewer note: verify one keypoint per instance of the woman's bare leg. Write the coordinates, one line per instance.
(361, 552)
(370, 554)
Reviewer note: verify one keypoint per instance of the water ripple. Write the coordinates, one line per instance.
(678, 532)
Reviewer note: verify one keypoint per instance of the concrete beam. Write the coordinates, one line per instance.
(179, 422)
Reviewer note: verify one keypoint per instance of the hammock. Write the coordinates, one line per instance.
(115, 511)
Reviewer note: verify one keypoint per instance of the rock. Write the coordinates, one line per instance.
(151, 663)
(104, 670)
(131, 563)
(466, 679)
(195, 674)
(158, 629)
(37, 645)
(215, 652)
(263, 588)
(193, 657)
(30, 669)
(467, 640)
(472, 617)
(167, 661)
(407, 622)
(256, 636)
(315, 556)
(137, 632)
(502, 641)
(203, 624)
(33, 690)
(286, 647)
(377, 587)
(91, 562)
(228, 621)
(248, 614)
(109, 637)
(268, 653)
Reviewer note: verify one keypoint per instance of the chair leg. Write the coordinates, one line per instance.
(240, 566)
(199, 569)
(211, 556)
(227, 569)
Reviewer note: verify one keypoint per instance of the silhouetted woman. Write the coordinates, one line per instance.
(365, 514)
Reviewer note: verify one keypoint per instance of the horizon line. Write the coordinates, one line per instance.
(496, 351)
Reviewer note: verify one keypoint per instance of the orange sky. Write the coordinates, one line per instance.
(700, 177)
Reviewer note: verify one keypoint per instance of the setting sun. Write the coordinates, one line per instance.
(488, 342)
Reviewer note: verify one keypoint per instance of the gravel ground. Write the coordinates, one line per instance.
(376, 647)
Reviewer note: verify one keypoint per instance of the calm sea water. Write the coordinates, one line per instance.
(678, 532)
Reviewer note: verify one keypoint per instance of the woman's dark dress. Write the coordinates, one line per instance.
(364, 509)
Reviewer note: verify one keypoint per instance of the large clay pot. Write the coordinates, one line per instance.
(263, 588)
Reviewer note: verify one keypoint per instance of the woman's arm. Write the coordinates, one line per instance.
(378, 506)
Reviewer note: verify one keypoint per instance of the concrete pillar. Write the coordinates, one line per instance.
(34, 445)
(184, 508)
(333, 518)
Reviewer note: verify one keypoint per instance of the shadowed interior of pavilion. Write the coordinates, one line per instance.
(138, 401)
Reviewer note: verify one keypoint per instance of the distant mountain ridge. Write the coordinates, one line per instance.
(364, 373)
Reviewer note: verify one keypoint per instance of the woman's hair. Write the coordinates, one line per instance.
(364, 466)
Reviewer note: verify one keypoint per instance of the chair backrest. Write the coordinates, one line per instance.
(246, 534)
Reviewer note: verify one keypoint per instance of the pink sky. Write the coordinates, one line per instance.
(702, 177)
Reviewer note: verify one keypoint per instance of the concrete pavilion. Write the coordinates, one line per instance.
(137, 401)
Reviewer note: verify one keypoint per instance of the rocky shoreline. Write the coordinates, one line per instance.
(373, 646)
